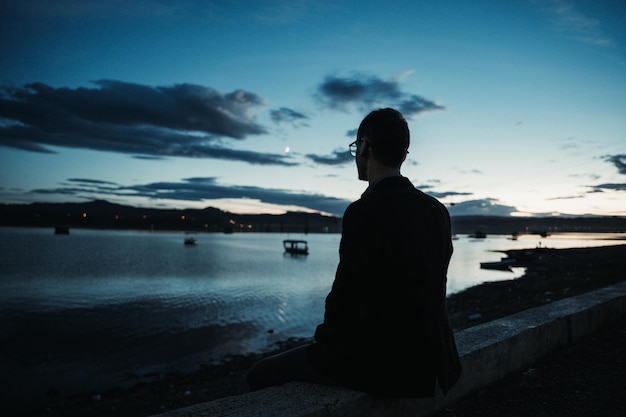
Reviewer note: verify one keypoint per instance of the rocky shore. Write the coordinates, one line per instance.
(550, 275)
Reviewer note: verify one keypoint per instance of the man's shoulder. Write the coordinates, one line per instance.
(400, 186)
(400, 190)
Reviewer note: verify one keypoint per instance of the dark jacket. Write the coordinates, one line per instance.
(386, 328)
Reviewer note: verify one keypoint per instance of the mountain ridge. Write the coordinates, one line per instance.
(102, 214)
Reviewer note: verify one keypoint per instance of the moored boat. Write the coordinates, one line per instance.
(62, 230)
(502, 265)
(296, 247)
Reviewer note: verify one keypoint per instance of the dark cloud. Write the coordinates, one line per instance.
(427, 188)
(338, 157)
(183, 120)
(366, 92)
(444, 194)
(568, 197)
(619, 161)
(89, 181)
(614, 187)
(285, 115)
(484, 207)
(198, 189)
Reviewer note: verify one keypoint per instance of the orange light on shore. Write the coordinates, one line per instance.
(84, 214)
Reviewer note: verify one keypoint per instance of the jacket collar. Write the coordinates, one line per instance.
(369, 189)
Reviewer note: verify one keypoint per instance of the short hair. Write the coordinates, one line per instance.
(387, 132)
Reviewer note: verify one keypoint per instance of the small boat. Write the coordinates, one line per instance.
(62, 230)
(502, 265)
(296, 247)
(479, 234)
(190, 241)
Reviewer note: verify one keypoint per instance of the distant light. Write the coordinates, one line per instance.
(84, 215)
(182, 217)
(287, 149)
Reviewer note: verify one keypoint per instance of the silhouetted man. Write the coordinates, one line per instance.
(385, 328)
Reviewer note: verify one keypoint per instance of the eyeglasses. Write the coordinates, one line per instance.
(353, 146)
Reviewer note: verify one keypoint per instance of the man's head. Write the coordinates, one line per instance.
(384, 136)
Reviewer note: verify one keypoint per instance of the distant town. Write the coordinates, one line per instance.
(101, 214)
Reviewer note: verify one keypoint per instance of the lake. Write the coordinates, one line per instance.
(98, 308)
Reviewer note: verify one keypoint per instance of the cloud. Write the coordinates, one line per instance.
(90, 181)
(367, 92)
(484, 207)
(427, 188)
(443, 194)
(286, 115)
(619, 161)
(609, 186)
(352, 133)
(577, 25)
(570, 197)
(198, 189)
(183, 120)
(338, 157)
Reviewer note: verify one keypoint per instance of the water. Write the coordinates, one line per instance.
(96, 309)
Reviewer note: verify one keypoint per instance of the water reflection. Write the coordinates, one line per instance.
(103, 305)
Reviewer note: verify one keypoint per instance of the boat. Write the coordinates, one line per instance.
(190, 241)
(61, 230)
(502, 265)
(514, 236)
(479, 234)
(296, 247)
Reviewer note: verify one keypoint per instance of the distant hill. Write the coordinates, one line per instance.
(525, 225)
(102, 214)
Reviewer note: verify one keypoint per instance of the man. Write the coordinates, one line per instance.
(385, 328)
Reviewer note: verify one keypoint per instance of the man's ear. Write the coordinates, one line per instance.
(365, 152)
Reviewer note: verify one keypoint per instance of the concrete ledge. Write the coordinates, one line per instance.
(488, 352)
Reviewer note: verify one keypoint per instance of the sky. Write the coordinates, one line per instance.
(516, 108)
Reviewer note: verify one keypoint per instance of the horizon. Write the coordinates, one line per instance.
(514, 109)
(452, 213)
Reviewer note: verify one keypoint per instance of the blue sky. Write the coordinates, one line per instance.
(515, 108)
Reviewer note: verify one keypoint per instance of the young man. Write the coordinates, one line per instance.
(385, 328)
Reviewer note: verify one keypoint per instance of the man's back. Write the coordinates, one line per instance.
(385, 313)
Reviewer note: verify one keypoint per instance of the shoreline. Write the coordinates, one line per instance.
(551, 275)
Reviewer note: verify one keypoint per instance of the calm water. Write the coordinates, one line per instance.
(95, 309)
